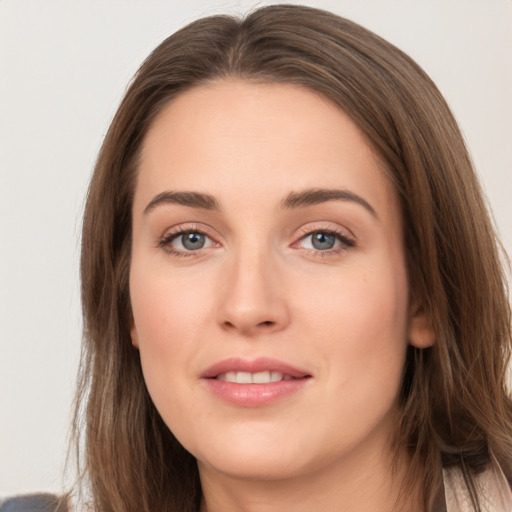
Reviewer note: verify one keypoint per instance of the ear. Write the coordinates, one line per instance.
(420, 333)
(134, 334)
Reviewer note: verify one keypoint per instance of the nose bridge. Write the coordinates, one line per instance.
(253, 299)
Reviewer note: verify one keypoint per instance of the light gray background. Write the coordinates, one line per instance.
(63, 69)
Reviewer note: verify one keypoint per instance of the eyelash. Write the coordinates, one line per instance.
(166, 241)
(346, 242)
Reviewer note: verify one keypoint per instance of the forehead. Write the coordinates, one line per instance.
(258, 139)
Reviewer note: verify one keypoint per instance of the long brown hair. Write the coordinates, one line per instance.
(456, 409)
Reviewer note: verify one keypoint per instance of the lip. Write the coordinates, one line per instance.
(261, 364)
(254, 395)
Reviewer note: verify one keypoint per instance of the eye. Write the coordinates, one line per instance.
(192, 241)
(184, 242)
(325, 241)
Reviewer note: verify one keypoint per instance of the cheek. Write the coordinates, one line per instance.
(361, 316)
(367, 298)
(360, 324)
(166, 307)
(167, 317)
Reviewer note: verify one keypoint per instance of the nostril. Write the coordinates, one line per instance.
(265, 326)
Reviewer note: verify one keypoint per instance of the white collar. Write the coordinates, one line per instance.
(491, 486)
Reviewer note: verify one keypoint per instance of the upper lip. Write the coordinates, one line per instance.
(261, 364)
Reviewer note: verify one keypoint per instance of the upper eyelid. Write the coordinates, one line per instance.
(326, 226)
(188, 228)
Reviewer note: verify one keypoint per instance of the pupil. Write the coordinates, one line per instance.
(193, 241)
(323, 241)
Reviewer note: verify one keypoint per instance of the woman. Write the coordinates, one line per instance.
(291, 288)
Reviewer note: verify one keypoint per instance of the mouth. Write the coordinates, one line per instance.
(264, 377)
(254, 383)
(262, 370)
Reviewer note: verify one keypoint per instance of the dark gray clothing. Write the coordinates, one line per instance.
(33, 503)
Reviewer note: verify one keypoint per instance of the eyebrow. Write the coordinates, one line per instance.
(191, 199)
(315, 196)
(309, 197)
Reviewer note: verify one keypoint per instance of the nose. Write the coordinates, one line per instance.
(254, 299)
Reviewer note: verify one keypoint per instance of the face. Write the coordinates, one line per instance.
(268, 282)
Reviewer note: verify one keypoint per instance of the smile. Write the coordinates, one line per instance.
(264, 377)
(254, 383)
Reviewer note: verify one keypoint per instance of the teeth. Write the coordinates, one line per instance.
(261, 378)
(277, 376)
(243, 378)
(253, 378)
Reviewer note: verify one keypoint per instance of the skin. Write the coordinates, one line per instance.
(259, 287)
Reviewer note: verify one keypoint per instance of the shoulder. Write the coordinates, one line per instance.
(33, 503)
(491, 487)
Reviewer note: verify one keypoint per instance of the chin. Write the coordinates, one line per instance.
(271, 467)
(252, 457)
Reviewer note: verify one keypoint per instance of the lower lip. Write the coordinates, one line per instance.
(254, 395)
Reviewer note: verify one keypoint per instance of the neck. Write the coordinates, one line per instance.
(364, 487)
